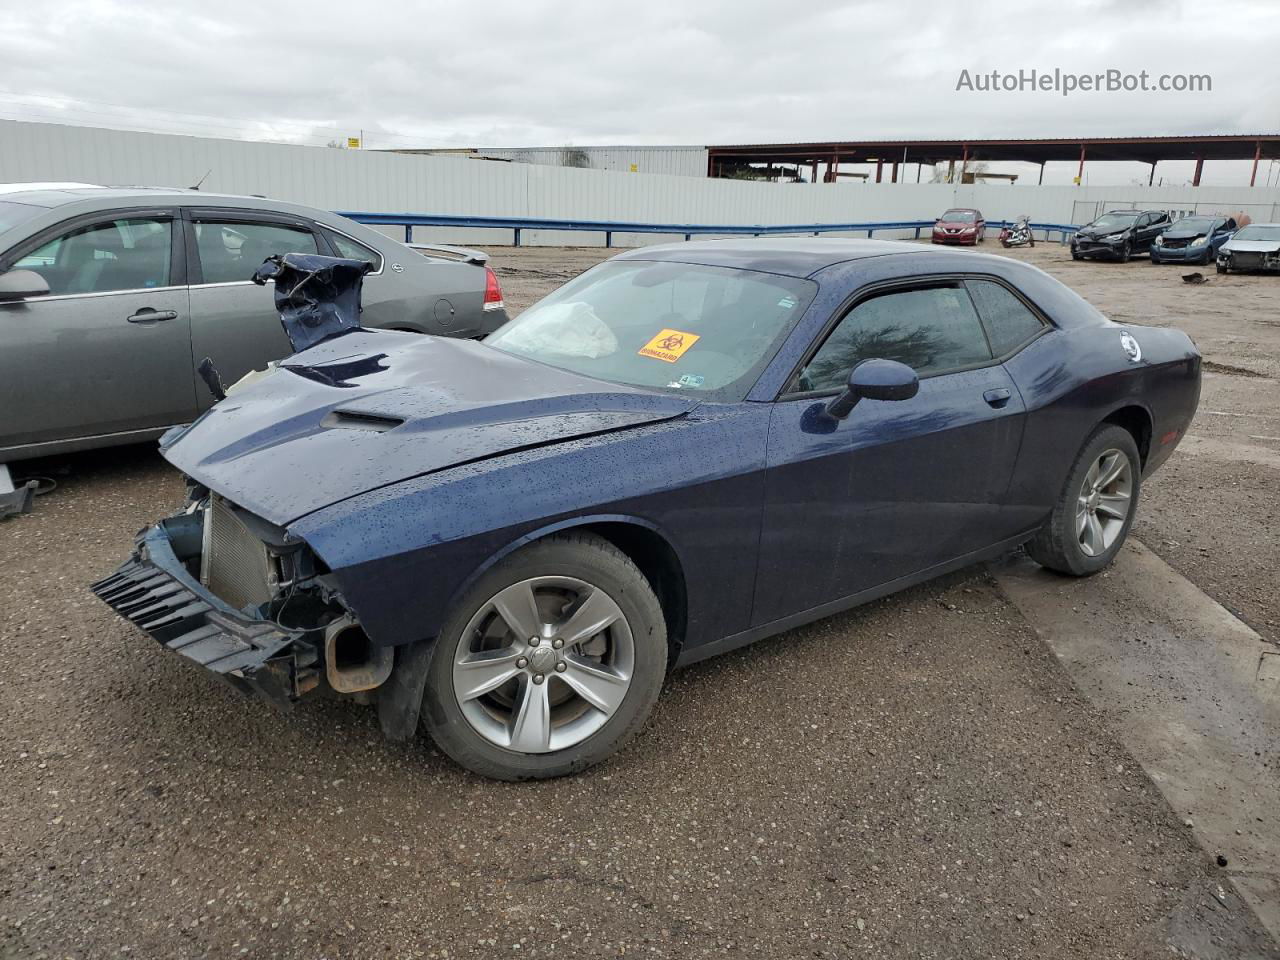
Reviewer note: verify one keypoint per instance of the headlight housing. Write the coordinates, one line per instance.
(1159, 241)
(1198, 242)
(1113, 237)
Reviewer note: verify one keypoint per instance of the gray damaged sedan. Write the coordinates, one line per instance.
(110, 299)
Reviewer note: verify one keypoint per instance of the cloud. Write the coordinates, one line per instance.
(508, 73)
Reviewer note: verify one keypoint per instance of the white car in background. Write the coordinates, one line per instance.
(1255, 247)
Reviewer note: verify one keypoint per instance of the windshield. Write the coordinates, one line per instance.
(1260, 231)
(12, 214)
(683, 327)
(1115, 221)
(1196, 224)
(959, 216)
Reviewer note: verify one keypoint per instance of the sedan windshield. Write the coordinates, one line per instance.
(959, 216)
(1196, 224)
(682, 327)
(1259, 231)
(1115, 221)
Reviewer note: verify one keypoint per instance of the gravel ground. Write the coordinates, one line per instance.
(917, 778)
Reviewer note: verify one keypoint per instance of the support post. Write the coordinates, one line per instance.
(517, 239)
(951, 171)
(408, 233)
(918, 166)
(1195, 179)
(879, 170)
(964, 163)
(1152, 179)
(608, 239)
(1080, 169)
(813, 178)
(893, 174)
(1041, 180)
(1257, 155)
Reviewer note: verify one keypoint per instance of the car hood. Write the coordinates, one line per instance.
(372, 408)
(1252, 246)
(1184, 234)
(963, 224)
(1093, 233)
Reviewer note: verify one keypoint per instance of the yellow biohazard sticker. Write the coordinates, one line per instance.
(669, 345)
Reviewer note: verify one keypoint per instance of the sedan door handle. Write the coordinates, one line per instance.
(997, 397)
(148, 315)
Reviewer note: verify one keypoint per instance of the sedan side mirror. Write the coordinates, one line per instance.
(875, 380)
(20, 284)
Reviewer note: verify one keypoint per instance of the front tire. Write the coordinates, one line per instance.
(549, 663)
(1095, 509)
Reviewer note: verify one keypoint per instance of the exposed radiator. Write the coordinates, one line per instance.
(234, 564)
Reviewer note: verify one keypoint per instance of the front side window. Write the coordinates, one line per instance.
(931, 330)
(682, 327)
(231, 250)
(1010, 322)
(126, 254)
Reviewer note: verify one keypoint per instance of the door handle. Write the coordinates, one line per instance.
(997, 397)
(148, 315)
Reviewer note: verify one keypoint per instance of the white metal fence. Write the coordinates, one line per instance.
(392, 183)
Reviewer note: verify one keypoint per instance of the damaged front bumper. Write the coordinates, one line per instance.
(156, 591)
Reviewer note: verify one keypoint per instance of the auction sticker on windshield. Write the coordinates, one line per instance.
(669, 345)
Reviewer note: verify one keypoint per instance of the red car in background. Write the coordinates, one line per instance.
(960, 225)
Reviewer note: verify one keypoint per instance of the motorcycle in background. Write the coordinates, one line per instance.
(1018, 235)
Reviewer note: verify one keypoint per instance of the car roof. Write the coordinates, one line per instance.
(92, 198)
(789, 256)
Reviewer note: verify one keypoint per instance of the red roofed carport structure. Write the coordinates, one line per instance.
(1253, 146)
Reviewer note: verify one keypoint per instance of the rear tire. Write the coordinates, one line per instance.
(1084, 532)
(538, 719)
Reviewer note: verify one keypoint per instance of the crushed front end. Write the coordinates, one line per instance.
(245, 600)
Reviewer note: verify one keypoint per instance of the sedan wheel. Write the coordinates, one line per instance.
(1095, 508)
(548, 663)
(543, 664)
(1102, 504)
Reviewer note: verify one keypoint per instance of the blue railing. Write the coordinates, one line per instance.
(688, 230)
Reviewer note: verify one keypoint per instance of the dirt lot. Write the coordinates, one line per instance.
(914, 779)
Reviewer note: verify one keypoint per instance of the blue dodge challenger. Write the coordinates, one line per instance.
(685, 449)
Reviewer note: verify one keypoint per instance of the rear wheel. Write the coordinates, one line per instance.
(1091, 519)
(550, 662)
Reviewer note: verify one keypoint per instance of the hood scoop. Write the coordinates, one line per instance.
(351, 420)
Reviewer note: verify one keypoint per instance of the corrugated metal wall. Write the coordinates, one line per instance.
(671, 161)
(395, 183)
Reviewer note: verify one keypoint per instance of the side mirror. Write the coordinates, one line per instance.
(875, 380)
(20, 284)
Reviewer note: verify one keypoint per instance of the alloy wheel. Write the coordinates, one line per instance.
(543, 664)
(1104, 502)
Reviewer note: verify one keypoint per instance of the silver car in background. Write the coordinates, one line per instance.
(111, 297)
(1255, 247)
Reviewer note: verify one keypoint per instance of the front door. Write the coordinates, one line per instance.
(896, 487)
(233, 320)
(109, 349)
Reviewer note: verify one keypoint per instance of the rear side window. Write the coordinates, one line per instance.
(126, 254)
(231, 250)
(1010, 322)
(932, 330)
(352, 250)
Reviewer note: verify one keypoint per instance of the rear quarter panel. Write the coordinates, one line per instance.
(1071, 380)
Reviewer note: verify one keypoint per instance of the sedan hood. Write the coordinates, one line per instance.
(1089, 233)
(954, 224)
(372, 408)
(1252, 246)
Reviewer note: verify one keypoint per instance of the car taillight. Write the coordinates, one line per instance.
(492, 292)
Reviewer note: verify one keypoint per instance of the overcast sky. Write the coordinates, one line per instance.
(532, 73)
